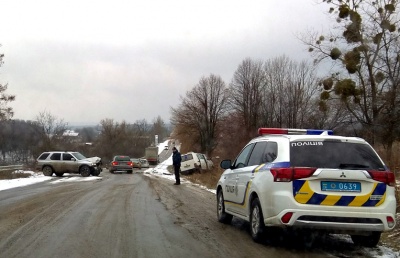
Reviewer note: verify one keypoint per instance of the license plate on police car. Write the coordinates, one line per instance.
(336, 186)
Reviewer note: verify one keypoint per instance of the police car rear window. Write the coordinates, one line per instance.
(333, 154)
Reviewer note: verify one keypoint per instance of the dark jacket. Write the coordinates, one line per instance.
(176, 159)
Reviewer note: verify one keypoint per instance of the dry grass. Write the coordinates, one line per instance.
(395, 165)
(12, 174)
(208, 178)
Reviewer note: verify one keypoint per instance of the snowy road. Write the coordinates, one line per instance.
(124, 215)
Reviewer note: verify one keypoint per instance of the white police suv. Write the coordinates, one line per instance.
(311, 180)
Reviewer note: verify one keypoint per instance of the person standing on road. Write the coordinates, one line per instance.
(176, 162)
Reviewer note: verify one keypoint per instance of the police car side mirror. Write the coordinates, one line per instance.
(226, 164)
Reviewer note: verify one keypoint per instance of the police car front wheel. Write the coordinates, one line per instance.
(256, 221)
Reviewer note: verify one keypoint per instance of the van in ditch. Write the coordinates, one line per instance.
(195, 162)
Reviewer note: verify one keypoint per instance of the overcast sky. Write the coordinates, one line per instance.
(84, 61)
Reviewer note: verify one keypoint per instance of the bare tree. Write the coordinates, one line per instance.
(364, 48)
(51, 130)
(290, 93)
(277, 93)
(247, 87)
(113, 139)
(121, 138)
(160, 128)
(141, 137)
(19, 141)
(6, 112)
(199, 114)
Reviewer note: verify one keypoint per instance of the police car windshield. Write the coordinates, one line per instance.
(333, 154)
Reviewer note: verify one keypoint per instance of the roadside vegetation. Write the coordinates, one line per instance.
(21, 142)
(12, 174)
(350, 86)
(208, 178)
(354, 93)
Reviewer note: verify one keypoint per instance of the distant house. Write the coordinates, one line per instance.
(70, 133)
(72, 136)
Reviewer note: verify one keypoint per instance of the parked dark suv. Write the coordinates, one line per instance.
(60, 162)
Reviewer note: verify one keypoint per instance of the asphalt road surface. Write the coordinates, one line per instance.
(134, 215)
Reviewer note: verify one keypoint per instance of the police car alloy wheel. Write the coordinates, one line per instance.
(222, 215)
(257, 221)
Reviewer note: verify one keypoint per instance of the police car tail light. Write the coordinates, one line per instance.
(115, 163)
(263, 131)
(129, 163)
(292, 173)
(386, 177)
(286, 218)
(390, 221)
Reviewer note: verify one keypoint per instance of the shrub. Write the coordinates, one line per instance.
(12, 174)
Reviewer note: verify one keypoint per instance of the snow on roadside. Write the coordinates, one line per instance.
(37, 177)
(18, 182)
(161, 171)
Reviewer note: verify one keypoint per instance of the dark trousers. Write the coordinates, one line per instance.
(177, 175)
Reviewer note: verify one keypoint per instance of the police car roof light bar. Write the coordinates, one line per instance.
(263, 131)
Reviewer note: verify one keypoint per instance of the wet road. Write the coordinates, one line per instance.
(131, 215)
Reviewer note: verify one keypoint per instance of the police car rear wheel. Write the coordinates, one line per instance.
(222, 215)
(368, 241)
(256, 221)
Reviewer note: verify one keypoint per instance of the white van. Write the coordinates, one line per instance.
(195, 162)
